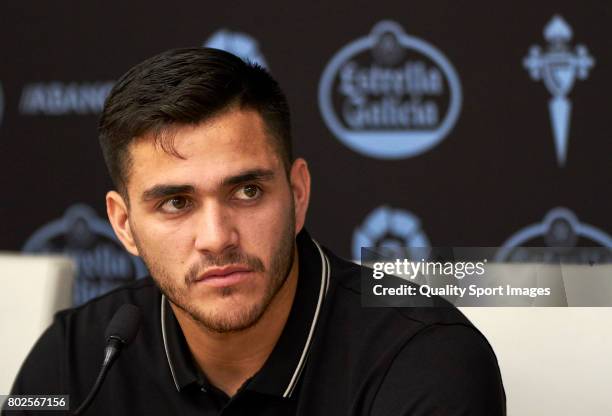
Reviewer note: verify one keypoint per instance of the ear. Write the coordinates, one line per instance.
(117, 211)
(300, 186)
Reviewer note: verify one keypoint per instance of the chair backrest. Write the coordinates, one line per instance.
(554, 361)
(32, 289)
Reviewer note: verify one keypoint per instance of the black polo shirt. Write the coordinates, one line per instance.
(334, 357)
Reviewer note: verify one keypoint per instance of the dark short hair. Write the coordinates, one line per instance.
(185, 87)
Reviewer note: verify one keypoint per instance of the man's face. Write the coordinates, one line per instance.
(217, 227)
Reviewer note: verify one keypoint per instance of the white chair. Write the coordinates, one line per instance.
(553, 361)
(32, 289)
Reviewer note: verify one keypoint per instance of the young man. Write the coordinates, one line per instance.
(244, 313)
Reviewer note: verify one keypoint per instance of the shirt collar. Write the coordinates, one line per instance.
(281, 371)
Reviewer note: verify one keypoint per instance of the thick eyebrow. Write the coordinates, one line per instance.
(163, 191)
(248, 176)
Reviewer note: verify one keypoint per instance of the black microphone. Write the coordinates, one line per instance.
(121, 330)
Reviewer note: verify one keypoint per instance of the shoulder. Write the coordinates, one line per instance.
(427, 360)
(71, 346)
(142, 293)
(445, 368)
(347, 279)
(84, 326)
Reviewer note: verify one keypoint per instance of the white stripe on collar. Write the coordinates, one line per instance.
(325, 273)
(163, 328)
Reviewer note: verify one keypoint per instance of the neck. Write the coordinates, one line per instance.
(223, 356)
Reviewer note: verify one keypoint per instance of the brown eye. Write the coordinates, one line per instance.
(178, 203)
(248, 192)
(175, 204)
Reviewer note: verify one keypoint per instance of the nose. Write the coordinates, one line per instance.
(215, 231)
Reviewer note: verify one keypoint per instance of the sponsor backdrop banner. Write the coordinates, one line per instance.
(425, 124)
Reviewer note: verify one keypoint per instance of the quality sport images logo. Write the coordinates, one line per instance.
(390, 95)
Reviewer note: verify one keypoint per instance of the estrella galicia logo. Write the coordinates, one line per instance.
(102, 263)
(568, 238)
(240, 44)
(391, 232)
(559, 67)
(389, 95)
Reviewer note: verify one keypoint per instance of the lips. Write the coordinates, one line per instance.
(224, 276)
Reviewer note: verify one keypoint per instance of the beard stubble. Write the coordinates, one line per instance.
(244, 316)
